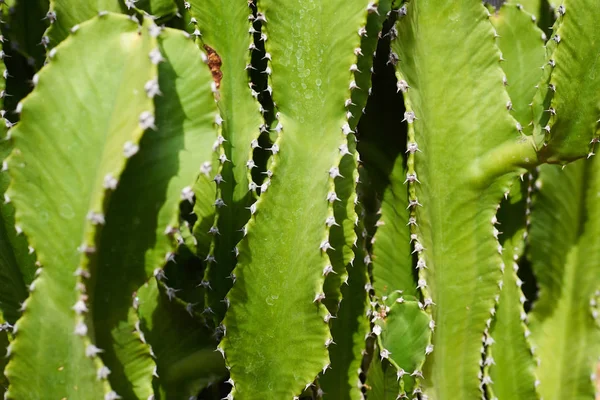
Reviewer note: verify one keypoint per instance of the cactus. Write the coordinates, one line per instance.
(299, 199)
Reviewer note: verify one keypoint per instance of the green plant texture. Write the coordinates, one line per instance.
(299, 199)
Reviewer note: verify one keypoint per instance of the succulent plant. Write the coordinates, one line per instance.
(299, 199)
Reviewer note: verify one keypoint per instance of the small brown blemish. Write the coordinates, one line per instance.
(214, 63)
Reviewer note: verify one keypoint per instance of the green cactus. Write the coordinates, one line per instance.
(299, 199)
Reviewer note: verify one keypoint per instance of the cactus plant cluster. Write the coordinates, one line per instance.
(299, 199)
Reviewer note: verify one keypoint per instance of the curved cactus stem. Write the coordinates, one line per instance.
(568, 114)
(184, 349)
(101, 72)
(455, 222)
(510, 363)
(522, 45)
(226, 33)
(63, 16)
(351, 325)
(364, 65)
(564, 252)
(5, 340)
(311, 83)
(143, 218)
(25, 26)
(342, 236)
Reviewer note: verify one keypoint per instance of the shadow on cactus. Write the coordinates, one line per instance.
(299, 200)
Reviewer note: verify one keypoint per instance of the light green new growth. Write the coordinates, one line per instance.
(224, 26)
(564, 252)
(146, 211)
(100, 71)
(280, 273)
(454, 97)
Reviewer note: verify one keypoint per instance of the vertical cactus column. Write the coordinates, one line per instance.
(227, 32)
(464, 147)
(279, 277)
(142, 221)
(70, 165)
(508, 362)
(564, 251)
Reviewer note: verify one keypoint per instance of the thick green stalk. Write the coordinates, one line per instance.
(458, 120)
(143, 218)
(226, 30)
(282, 259)
(564, 253)
(63, 167)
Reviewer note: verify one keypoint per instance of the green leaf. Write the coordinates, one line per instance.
(342, 236)
(225, 26)
(61, 167)
(283, 248)
(63, 16)
(509, 360)
(564, 252)
(459, 102)
(572, 106)
(142, 221)
(184, 349)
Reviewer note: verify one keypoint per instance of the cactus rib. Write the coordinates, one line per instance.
(71, 183)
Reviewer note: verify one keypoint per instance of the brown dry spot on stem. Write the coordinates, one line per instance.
(214, 63)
